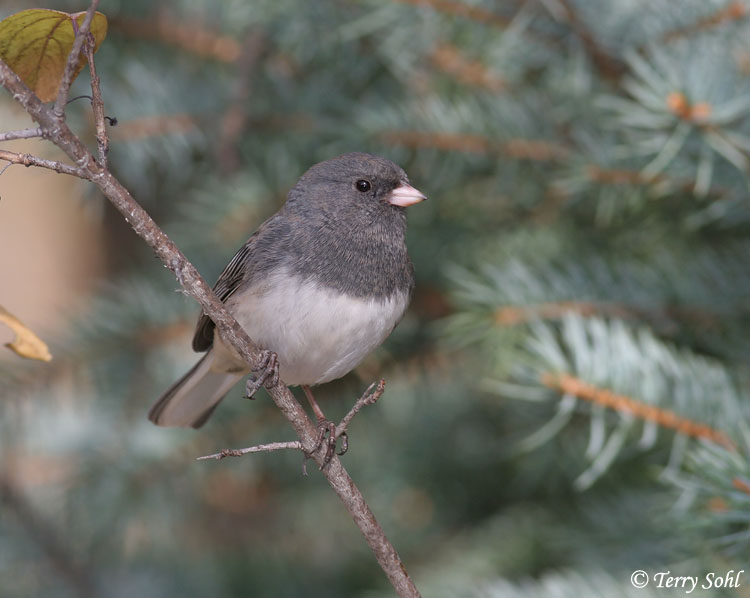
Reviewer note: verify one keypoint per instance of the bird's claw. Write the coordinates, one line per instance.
(344, 443)
(327, 437)
(268, 374)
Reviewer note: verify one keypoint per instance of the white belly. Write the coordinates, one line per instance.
(317, 334)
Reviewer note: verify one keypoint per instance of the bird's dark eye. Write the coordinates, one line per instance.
(363, 186)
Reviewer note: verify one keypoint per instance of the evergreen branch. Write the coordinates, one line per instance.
(734, 11)
(621, 176)
(235, 119)
(70, 67)
(449, 59)
(21, 134)
(29, 160)
(192, 38)
(571, 385)
(485, 17)
(511, 315)
(458, 9)
(46, 538)
(741, 485)
(605, 64)
(521, 149)
(190, 279)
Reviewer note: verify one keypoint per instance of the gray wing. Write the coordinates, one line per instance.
(229, 281)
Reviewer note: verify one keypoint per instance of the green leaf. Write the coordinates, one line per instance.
(35, 43)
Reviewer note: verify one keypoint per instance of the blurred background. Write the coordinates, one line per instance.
(567, 397)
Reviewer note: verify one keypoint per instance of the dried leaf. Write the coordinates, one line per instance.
(26, 344)
(35, 43)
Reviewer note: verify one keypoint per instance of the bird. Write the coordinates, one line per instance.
(318, 286)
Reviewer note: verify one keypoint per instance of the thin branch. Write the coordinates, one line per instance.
(97, 105)
(260, 448)
(50, 543)
(571, 385)
(21, 134)
(369, 397)
(70, 66)
(29, 160)
(232, 333)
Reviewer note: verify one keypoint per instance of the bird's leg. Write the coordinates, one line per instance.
(268, 371)
(324, 426)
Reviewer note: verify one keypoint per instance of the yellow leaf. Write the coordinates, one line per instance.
(26, 344)
(35, 43)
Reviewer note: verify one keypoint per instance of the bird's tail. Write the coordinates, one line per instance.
(191, 400)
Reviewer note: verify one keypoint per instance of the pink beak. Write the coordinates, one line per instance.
(405, 195)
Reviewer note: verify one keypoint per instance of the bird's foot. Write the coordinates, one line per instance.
(268, 374)
(326, 438)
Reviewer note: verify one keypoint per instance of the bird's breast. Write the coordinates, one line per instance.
(319, 333)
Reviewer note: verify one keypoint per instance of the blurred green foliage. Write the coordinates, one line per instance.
(587, 168)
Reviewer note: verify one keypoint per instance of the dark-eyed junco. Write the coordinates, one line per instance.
(321, 283)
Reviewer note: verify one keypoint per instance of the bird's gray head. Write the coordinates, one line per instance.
(356, 183)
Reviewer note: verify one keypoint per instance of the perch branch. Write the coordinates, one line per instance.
(60, 134)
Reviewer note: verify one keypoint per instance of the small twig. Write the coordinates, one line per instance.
(29, 160)
(369, 397)
(70, 66)
(260, 448)
(22, 134)
(97, 105)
